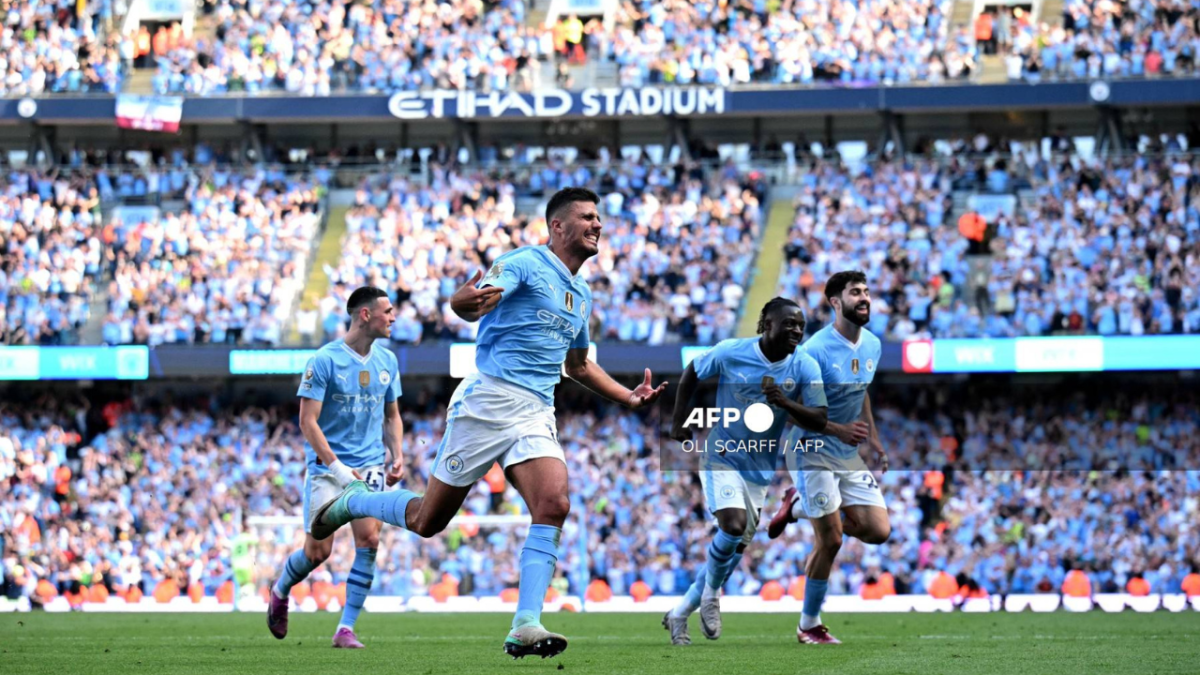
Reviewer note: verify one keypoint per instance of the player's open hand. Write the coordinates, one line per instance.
(395, 471)
(646, 393)
(473, 303)
(852, 434)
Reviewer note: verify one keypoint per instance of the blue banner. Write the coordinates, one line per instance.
(1052, 354)
(74, 363)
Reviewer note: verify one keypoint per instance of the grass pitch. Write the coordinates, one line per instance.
(424, 644)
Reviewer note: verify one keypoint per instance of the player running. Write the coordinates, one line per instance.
(534, 307)
(739, 462)
(832, 477)
(349, 417)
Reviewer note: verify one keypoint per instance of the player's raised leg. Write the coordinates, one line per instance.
(358, 584)
(424, 515)
(542, 483)
(868, 524)
(298, 565)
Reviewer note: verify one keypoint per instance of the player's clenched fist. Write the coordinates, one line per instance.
(852, 434)
(774, 395)
(473, 303)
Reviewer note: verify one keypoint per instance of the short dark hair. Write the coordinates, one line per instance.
(838, 282)
(772, 306)
(567, 196)
(363, 296)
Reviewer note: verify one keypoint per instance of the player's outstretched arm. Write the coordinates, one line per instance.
(393, 441)
(683, 400)
(310, 412)
(471, 303)
(588, 373)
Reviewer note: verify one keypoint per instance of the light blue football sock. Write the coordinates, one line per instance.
(358, 585)
(814, 597)
(721, 551)
(538, 558)
(295, 569)
(733, 565)
(386, 506)
(691, 600)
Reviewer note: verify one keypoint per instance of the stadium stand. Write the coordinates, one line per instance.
(679, 245)
(1110, 39)
(51, 255)
(229, 267)
(1098, 246)
(45, 52)
(800, 42)
(130, 494)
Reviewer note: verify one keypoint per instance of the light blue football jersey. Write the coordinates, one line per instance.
(741, 366)
(543, 312)
(847, 370)
(353, 391)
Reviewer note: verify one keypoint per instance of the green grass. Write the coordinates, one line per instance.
(420, 644)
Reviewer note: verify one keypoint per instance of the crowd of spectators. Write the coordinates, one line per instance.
(796, 42)
(317, 47)
(57, 47)
(677, 251)
(51, 255)
(311, 48)
(1096, 39)
(227, 268)
(132, 493)
(1107, 246)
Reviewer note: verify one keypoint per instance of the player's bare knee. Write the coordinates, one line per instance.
(732, 522)
(367, 541)
(317, 553)
(425, 527)
(878, 535)
(830, 543)
(552, 509)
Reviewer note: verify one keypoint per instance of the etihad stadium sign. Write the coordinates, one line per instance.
(550, 103)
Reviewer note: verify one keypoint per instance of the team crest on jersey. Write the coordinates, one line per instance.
(854, 366)
(870, 365)
(364, 378)
(454, 464)
(820, 500)
(727, 492)
(583, 308)
(569, 301)
(385, 378)
(789, 384)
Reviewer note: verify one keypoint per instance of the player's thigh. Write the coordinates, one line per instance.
(863, 504)
(543, 484)
(319, 489)
(819, 493)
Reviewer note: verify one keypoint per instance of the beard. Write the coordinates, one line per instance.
(852, 315)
